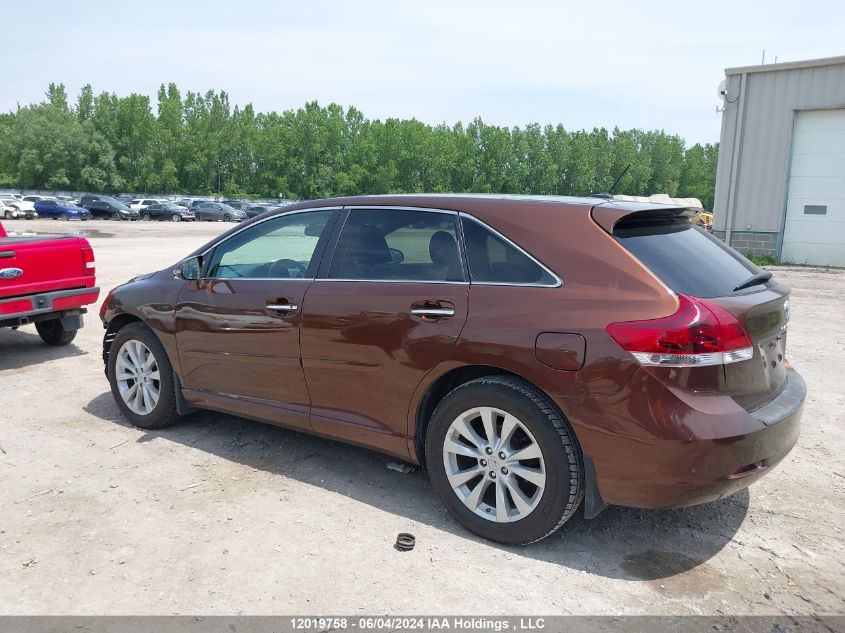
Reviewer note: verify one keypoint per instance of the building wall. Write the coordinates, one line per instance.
(756, 142)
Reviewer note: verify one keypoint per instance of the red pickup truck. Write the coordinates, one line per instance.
(48, 281)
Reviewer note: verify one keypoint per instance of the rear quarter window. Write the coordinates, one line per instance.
(685, 257)
(495, 260)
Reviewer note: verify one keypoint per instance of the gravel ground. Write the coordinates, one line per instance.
(219, 515)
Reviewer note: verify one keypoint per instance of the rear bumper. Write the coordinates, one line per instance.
(38, 307)
(710, 447)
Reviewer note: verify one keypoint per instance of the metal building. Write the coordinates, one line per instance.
(780, 183)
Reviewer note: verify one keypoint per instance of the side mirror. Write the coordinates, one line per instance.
(190, 269)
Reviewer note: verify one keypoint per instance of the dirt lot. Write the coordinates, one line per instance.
(226, 516)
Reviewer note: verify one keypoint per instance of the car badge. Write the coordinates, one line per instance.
(10, 273)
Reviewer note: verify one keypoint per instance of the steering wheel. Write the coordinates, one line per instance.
(282, 267)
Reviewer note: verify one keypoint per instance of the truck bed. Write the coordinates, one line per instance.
(38, 264)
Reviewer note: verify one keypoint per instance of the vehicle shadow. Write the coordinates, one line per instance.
(19, 348)
(621, 543)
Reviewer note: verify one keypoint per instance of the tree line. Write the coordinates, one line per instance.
(200, 143)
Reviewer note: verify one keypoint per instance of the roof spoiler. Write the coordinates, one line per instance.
(608, 214)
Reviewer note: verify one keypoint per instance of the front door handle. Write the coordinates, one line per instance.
(433, 313)
(283, 307)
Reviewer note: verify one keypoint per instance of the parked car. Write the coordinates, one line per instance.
(532, 352)
(9, 211)
(190, 203)
(34, 198)
(138, 204)
(257, 209)
(240, 205)
(107, 207)
(47, 281)
(218, 211)
(14, 206)
(52, 208)
(167, 211)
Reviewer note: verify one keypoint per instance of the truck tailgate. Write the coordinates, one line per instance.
(30, 265)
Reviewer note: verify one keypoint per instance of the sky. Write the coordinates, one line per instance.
(635, 64)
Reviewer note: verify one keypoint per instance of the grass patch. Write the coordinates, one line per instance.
(763, 260)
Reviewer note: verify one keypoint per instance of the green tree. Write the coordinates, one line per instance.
(200, 143)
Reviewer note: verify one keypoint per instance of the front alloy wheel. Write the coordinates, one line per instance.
(138, 377)
(494, 464)
(141, 377)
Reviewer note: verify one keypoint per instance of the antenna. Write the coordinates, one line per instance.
(618, 178)
(609, 193)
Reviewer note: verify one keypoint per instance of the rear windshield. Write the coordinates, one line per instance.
(687, 258)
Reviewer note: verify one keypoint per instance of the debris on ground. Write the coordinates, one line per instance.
(400, 468)
(405, 542)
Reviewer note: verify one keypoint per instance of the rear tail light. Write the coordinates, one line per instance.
(699, 333)
(89, 267)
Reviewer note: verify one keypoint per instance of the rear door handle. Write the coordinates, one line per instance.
(435, 313)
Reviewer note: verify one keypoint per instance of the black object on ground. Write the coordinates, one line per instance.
(405, 542)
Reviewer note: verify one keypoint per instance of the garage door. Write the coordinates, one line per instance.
(815, 210)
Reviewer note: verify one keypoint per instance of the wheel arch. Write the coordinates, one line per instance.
(440, 387)
(117, 323)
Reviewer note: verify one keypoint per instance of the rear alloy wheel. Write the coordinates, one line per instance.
(505, 457)
(141, 378)
(115, 216)
(63, 217)
(227, 218)
(504, 461)
(7, 215)
(53, 332)
(176, 217)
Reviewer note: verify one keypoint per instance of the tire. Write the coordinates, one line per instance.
(7, 215)
(176, 217)
(52, 332)
(227, 218)
(63, 217)
(540, 427)
(163, 412)
(115, 216)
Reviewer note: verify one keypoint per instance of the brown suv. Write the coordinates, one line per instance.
(531, 352)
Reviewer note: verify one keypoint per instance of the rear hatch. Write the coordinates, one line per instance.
(693, 263)
(38, 264)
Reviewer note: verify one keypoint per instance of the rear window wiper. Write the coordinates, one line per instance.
(758, 278)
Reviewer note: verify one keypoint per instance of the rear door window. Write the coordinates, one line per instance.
(687, 258)
(398, 245)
